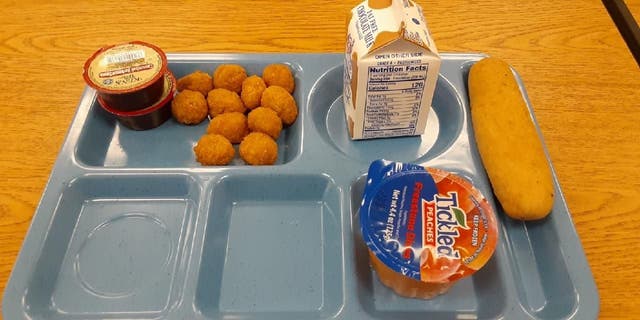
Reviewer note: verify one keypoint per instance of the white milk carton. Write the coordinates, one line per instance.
(390, 70)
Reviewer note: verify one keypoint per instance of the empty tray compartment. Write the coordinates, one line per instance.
(272, 248)
(114, 247)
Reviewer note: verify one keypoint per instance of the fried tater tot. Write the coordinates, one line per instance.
(252, 88)
(230, 77)
(196, 81)
(282, 102)
(258, 148)
(231, 125)
(279, 74)
(265, 120)
(189, 107)
(214, 150)
(222, 100)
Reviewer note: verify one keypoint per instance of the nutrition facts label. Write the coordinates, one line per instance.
(394, 95)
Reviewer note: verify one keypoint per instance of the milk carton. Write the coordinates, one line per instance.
(390, 69)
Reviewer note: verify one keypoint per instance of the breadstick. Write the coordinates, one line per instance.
(509, 145)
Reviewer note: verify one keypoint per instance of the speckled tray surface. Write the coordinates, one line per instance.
(130, 226)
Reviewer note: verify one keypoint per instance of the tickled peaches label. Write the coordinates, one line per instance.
(426, 223)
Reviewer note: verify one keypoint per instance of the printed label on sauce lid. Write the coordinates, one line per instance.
(426, 223)
(125, 67)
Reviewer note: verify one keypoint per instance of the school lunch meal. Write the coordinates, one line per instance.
(425, 228)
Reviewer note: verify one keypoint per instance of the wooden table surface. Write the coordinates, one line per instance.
(634, 7)
(581, 79)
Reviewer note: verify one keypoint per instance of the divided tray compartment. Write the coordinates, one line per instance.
(130, 226)
(271, 250)
(116, 244)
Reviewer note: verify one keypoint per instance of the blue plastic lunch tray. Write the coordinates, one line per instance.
(130, 226)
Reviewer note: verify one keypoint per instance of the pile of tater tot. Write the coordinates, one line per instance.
(249, 110)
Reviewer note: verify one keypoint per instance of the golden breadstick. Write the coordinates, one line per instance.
(508, 142)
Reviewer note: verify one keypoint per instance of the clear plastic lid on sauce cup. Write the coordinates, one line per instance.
(425, 228)
(127, 76)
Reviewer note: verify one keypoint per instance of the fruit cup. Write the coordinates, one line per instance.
(425, 228)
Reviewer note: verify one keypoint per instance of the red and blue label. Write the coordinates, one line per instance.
(426, 223)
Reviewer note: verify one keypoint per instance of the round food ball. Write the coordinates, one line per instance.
(281, 102)
(214, 150)
(196, 81)
(232, 125)
(252, 89)
(279, 74)
(258, 148)
(229, 76)
(265, 120)
(189, 107)
(222, 101)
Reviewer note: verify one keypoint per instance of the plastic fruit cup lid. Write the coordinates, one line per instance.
(425, 223)
(125, 68)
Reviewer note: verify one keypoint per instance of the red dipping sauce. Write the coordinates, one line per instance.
(150, 117)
